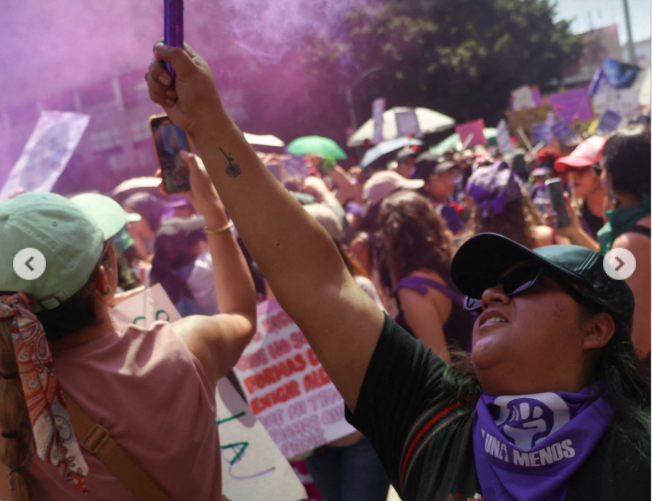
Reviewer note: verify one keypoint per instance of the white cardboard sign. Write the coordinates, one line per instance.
(287, 388)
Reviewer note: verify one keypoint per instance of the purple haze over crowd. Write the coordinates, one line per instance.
(49, 48)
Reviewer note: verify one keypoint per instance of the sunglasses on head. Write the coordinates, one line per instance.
(524, 277)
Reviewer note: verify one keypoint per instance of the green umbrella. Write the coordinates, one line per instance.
(453, 141)
(316, 145)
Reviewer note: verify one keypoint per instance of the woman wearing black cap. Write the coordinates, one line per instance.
(556, 409)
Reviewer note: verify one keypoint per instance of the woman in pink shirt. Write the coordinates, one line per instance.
(153, 389)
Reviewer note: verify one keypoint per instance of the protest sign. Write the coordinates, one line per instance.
(151, 305)
(471, 133)
(46, 153)
(293, 165)
(287, 387)
(564, 134)
(522, 98)
(407, 123)
(609, 121)
(523, 119)
(252, 466)
(571, 105)
(625, 102)
(503, 139)
(377, 110)
(541, 133)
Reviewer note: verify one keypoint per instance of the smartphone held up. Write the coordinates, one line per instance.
(557, 201)
(169, 141)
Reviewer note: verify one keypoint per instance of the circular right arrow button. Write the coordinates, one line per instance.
(619, 264)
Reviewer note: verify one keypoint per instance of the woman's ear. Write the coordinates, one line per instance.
(600, 330)
(102, 281)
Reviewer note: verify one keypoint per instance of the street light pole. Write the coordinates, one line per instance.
(628, 25)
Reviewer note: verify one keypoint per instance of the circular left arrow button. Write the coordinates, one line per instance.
(29, 264)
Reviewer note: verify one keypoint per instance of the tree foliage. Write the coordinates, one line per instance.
(460, 57)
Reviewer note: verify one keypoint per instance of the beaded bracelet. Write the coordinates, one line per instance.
(224, 228)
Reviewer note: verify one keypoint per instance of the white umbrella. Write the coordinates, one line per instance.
(266, 140)
(375, 152)
(429, 121)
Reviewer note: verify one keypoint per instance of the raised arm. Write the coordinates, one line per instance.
(218, 340)
(296, 255)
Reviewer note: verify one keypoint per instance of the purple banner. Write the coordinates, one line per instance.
(571, 105)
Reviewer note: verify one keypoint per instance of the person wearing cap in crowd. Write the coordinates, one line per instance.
(102, 207)
(152, 388)
(152, 210)
(380, 185)
(583, 169)
(551, 405)
(542, 168)
(414, 261)
(502, 206)
(405, 159)
(626, 179)
(439, 186)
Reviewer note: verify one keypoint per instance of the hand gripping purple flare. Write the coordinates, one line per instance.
(173, 26)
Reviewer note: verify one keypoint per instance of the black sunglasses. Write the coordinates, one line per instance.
(522, 278)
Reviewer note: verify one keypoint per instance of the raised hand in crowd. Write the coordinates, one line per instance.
(341, 322)
(217, 341)
(317, 187)
(574, 231)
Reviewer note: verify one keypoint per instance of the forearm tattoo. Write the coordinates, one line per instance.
(232, 169)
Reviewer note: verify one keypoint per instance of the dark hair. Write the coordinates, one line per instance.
(70, 316)
(172, 253)
(626, 158)
(75, 313)
(517, 221)
(412, 236)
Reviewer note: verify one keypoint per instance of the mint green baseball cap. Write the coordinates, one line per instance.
(108, 214)
(71, 242)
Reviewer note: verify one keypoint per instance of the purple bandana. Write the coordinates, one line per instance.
(527, 447)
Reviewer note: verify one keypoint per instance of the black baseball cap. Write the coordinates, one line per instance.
(481, 260)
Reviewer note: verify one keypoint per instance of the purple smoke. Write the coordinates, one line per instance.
(53, 52)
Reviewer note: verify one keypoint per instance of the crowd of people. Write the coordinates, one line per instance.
(482, 350)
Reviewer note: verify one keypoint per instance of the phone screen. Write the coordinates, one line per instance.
(169, 140)
(557, 201)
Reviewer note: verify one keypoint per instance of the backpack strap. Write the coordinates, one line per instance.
(98, 441)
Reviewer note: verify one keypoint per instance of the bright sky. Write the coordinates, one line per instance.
(593, 14)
